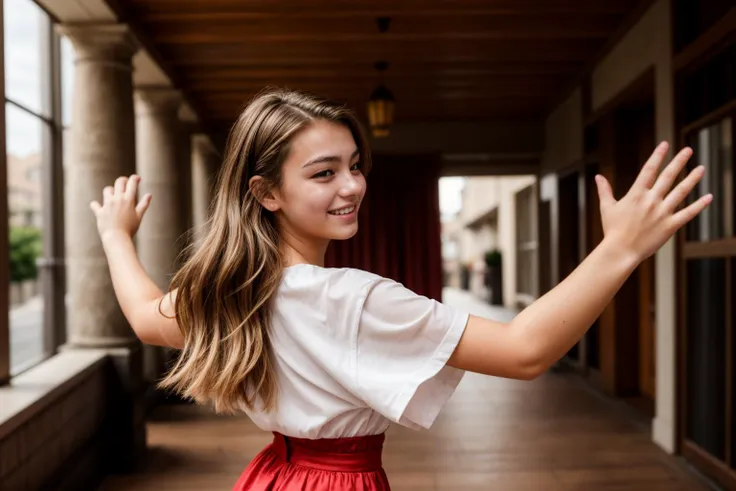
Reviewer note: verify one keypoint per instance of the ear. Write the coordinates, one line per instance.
(265, 197)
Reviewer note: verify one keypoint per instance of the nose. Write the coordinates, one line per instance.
(351, 185)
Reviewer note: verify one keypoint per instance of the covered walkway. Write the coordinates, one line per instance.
(494, 434)
(549, 435)
(554, 90)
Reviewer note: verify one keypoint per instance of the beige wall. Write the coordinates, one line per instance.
(51, 424)
(507, 232)
(646, 45)
(564, 134)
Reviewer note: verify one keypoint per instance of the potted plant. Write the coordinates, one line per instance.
(465, 276)
(494, 276)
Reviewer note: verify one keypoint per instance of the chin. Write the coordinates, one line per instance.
(345, 232)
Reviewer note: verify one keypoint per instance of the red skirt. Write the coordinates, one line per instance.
(317, 465)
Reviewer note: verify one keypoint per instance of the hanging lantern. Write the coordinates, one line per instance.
(381, 111)
(381, 107)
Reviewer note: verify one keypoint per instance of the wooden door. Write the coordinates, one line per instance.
(647, 332)
(568, 254)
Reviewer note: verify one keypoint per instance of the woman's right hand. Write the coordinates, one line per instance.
(643, 220)
(119, 212)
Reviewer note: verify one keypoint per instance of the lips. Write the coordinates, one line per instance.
(346, 210)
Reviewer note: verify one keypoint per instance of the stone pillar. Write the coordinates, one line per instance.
(158, 159)
(157, 155)
(102, 148)
(184, 171)
(204, 169)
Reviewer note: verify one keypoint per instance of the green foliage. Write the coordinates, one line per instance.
(493, 258)
(25, 246)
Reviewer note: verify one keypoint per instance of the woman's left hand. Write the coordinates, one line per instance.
(119, 212)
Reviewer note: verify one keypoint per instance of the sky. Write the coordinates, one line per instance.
(450, 194)
(24, 23)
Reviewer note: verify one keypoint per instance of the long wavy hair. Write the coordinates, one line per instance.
(224, 289)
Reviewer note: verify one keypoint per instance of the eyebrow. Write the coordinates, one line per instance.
(330, 158)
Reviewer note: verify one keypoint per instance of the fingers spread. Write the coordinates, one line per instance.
(605, 194)
(648, 173)
(143, 205)
(132, 188)
(678, 195)
(670, 173)
(686, 214)
(120, 183)
(107, 194)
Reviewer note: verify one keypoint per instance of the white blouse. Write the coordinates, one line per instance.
(355, 351)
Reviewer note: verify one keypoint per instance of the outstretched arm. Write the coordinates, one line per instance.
(634, 228)
(118, 219)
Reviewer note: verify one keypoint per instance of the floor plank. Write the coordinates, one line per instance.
(493, 434)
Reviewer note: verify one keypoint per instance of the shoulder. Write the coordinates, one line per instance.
(353, 289)
(338, 280)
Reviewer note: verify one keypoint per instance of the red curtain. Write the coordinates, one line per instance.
(399, 234)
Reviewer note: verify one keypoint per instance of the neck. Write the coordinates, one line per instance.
(299, 250)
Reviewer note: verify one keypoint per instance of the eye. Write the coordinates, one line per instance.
(356, 166)
(323, 174)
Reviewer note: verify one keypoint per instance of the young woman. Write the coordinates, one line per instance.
(326, 358)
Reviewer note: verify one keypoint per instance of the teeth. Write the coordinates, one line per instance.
(343, 211)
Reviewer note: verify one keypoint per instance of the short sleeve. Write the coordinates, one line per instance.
(403, 343)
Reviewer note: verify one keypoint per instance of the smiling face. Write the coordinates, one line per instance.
(322, 185)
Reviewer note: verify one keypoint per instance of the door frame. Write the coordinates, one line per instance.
(641, 90)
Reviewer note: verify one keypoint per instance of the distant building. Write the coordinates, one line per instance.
(24, 190)
(497, 214)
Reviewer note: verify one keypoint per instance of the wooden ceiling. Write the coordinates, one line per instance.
(448, 60)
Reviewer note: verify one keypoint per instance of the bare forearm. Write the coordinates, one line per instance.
(133, 287)
(557, 320)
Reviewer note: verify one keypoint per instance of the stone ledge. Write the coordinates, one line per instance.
(29, 393)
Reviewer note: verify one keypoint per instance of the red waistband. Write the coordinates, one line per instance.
(356, 454)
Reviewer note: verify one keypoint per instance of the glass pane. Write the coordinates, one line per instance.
(733, 365)
(25, 207)
(26, 55)
(706, 354)
(67, 80)
(713, 147)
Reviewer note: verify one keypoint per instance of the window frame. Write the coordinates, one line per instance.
(51, 263)
(723, 248)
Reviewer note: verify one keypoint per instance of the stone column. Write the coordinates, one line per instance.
(157, 155)
(204, 168)
(184, 170)
(101, 148)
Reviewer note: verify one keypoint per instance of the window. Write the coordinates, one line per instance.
(32, 124)
(708, 271)
(527, 270)
(713, 148)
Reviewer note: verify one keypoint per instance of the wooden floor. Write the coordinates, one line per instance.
(494, 434)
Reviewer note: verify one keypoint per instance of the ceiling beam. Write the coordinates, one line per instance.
(453, 27)
(372, 8)
(529, 85)
(276, 53)
(409, 69)
(417, 94)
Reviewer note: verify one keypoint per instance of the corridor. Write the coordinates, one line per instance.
(498, 434)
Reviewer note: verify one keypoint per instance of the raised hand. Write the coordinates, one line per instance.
(119, 212)
(643, 220)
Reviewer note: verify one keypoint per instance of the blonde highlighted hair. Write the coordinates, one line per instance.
(226, 286)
